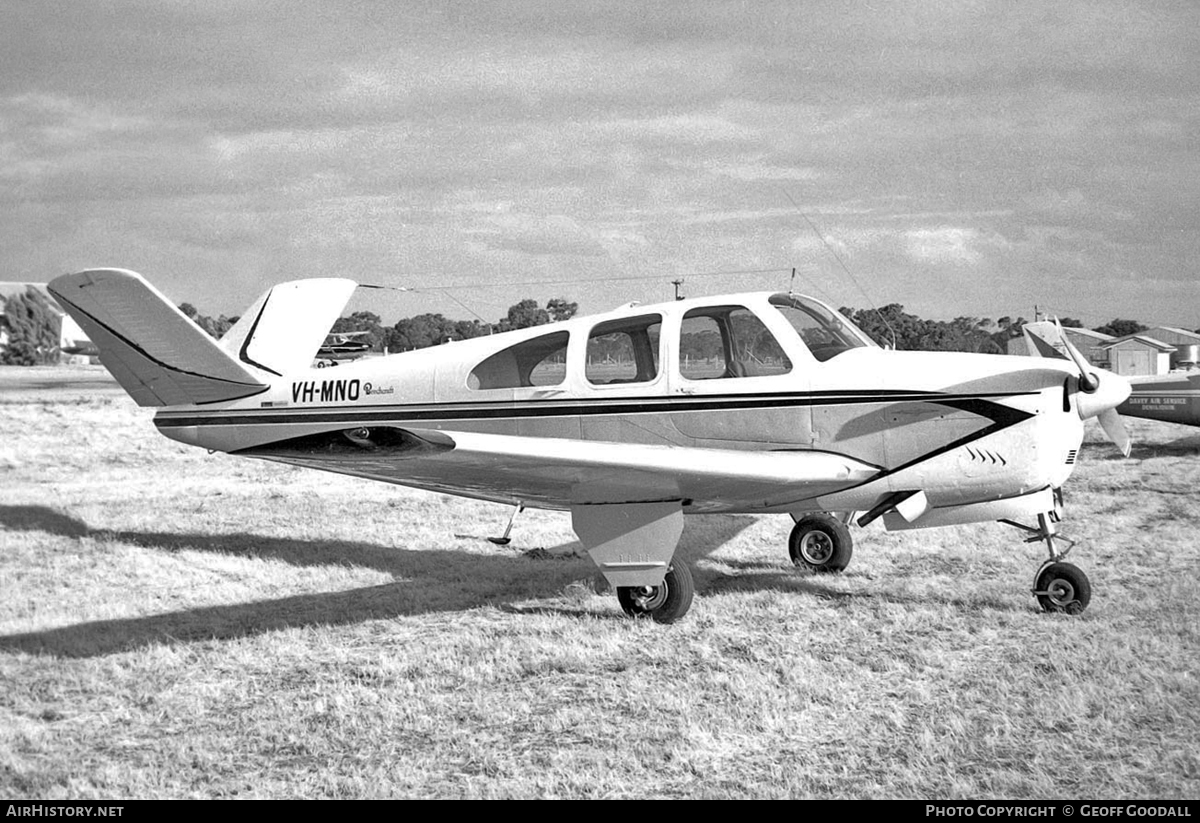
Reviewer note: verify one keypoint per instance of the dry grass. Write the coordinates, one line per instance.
(174, 624)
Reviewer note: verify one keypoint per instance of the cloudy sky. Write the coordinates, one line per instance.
(960, 157)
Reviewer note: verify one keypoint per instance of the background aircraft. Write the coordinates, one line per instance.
(1172, 398)
(750, 403)
(339, 346)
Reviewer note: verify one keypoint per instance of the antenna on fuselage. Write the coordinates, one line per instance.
(832, 251)
(677, 283)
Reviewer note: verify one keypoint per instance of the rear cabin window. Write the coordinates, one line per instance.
(541, 361)
(623, 351)
(728, 341)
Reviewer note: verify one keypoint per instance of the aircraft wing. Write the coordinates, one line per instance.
(559, 473)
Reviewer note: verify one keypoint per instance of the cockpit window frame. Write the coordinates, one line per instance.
(832, 323)
(735, 367)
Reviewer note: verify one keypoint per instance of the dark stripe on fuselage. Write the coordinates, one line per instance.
(1002, 417)
(559, 407)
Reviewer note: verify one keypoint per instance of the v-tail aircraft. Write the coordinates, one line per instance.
(746, 403)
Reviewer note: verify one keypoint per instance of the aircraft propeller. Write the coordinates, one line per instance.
(1099, 398)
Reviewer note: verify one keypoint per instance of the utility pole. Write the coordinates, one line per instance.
(677, 284)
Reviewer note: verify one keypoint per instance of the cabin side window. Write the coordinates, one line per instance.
(541, 361)
(623, 351)
(728, 341)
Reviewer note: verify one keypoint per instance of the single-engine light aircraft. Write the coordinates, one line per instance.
(340, 346)
(747, 403)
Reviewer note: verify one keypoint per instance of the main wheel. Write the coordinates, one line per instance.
(664, 603)
(1062, 587)
(821, 543)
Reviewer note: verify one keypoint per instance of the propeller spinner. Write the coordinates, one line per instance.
(1098, 397)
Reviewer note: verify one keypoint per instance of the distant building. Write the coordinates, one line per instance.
(71, 338)
(1186, 343)
(1091, 344)
(1138, 354)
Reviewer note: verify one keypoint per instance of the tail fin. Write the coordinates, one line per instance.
(153, 350)
(1043, 340)
(283, 330)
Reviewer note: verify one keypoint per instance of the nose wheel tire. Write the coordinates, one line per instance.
(820, 543)
(1062, 587)
(664, 603)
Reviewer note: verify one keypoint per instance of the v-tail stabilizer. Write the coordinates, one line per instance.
(162, 358)
(157, 354)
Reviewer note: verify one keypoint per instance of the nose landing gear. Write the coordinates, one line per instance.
(1062, 587)
(1058, 586)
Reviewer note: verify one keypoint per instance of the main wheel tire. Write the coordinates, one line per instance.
(664, 603)
(821, 543)
(1063, 587)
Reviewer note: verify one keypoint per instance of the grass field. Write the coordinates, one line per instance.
(178, 624)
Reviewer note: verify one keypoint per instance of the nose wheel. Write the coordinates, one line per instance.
(1062, 587)
(1059, 587)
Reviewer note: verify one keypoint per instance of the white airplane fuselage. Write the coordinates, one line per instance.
(963, 428)
(740, 403)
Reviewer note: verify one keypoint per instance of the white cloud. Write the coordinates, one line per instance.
(753, 172)
(944, 244)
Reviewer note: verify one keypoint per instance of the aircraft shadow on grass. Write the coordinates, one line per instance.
(427, 581)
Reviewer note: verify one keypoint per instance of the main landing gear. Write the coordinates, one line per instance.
(1058, 586)
(664, 603)
(820, 543)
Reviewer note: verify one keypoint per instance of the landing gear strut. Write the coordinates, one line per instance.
(503, 540)
(1058, 586)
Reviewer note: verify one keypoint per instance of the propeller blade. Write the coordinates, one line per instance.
(1088, 382)
(1114, 427)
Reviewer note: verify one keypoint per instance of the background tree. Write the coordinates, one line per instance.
(1007, 329)
(523, 315)
(559, 309)
(33, 330)
(960, 334)
(376, 333)
(881, 324)
(215, 328)
(426, 330)
(1121, 328)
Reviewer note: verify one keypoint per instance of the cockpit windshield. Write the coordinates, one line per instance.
(825, 332)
